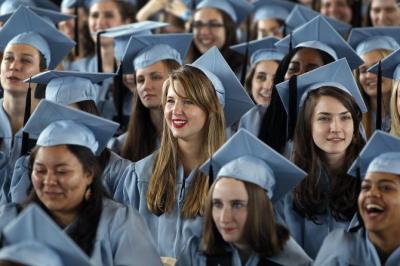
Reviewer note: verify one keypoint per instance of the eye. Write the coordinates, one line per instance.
(324, 118)
(39, 171)
(238, 204)
(139, 80)
(156, 76)
(188, 101)
(346, 118)
(261, 77)
(293, 68)
(217, 204)
(365, 187)
(170, 100)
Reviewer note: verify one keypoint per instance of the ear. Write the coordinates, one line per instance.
(89, 175)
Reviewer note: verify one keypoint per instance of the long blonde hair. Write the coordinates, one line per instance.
(394, 114)
(162, 186)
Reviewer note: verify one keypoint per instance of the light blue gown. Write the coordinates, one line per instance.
(5, 178)
(122, 237)
(342, 248)
(20, 181)
(253, 118)
(170, 231)
(292, 255)
(307, 233)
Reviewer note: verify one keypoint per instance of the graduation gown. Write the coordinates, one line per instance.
(169, 230)
(292, 254)
(342, 248)
(253, 118)
(122, 237)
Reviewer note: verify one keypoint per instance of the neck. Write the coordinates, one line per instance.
(334, 161)
(14, 106)
(385, 104)
(156, 116)
(191, 155)
(385, 242)
(107, 56)
(63, 219)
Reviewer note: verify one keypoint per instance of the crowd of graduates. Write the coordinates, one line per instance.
(199, 132)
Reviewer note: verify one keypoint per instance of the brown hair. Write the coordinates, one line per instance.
(141, 137)
(394, 113)
(341, 198)
(162, 185)
(261, 232)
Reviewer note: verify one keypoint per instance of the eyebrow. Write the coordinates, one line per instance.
(327, 113)
(57, 165)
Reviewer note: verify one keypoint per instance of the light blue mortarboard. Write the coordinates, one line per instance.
(336, 74)
(54, 124)
(237, 10)
(121, 34)
(260, 50)
(300, 15)
(145, 50)
(68, 87)
(380, 144)
(51, 15)
(34, 229)
(319, 34)
(271, 9)
(247, 158)
(25, 27)
(230, 92)
(367, 39)
(9, 6)
(390, 66)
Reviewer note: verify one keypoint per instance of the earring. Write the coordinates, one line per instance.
(88, 194)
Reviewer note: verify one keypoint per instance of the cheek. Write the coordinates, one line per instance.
(36, 182)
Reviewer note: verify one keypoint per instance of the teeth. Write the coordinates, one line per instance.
(179, 122)
(374, 207)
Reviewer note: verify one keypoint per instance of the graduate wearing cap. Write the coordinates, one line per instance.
(383, 13)
(66, 183)
(376, 240)
(264, 61)
(337, 9)
(166, 187)
(215, 23)
(249, 177)
(78, 90)
(310, 46)
(390, 68)
(327, 139)
(300, 15)
(269, 18)
(30, 45)
(372, 45)
(150, 59)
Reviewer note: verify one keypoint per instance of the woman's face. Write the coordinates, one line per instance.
(68, 26)
(229, 209)
(369, 80)
(129, 81)
(208, 29)
(332, 127)
(379, 202)
(184, 118)
(261, 84)
(149, 83)
(398, 98)
(104, 15)
(59, 179)
(305, 59)
(20, 62)
(269, 27)
(337, 9)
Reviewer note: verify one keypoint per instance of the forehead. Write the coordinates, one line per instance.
(328, 104)
(383, 3)
(208, 13)
(156, 67)
(55, 155)
(21, 49)
(268, 66)
(334, 2)
(176, 90)
(229, 189)
(380, 176)
(308, 55)
(103, 6)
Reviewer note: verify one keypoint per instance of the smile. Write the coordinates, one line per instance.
(179, 123)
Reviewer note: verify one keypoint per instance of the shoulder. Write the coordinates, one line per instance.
(115, 216)
(7, 213)
(144, 167)
(292, 254)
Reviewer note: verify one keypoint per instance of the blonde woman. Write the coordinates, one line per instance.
(166, 187)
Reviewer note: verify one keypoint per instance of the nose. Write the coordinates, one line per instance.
(226, 215)
(178, 107)
(335, 125)
(15, 65)
(101, 22)
(374, 191)
(50, 179)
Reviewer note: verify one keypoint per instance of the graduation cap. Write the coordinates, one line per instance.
(121, 34)
(55, 124)
(68, 87)
(367, 39)
(380, 154)
(237, 10)
(230, 92)
(260, 50)
(8, 6)
(301, 14)
(336, 74)
(245, 157)
(33, 238)
(75, 3)
(145, 50)
(26, 27)
(390, 66)
(272, 9)
(319, 34)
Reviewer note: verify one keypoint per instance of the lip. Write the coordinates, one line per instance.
(179, 123)
(53, 194)
(229, 230)
(335, 140)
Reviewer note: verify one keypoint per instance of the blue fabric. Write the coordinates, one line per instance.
(169, 231)
(253, 118)
(292, 254)
(342, 248)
